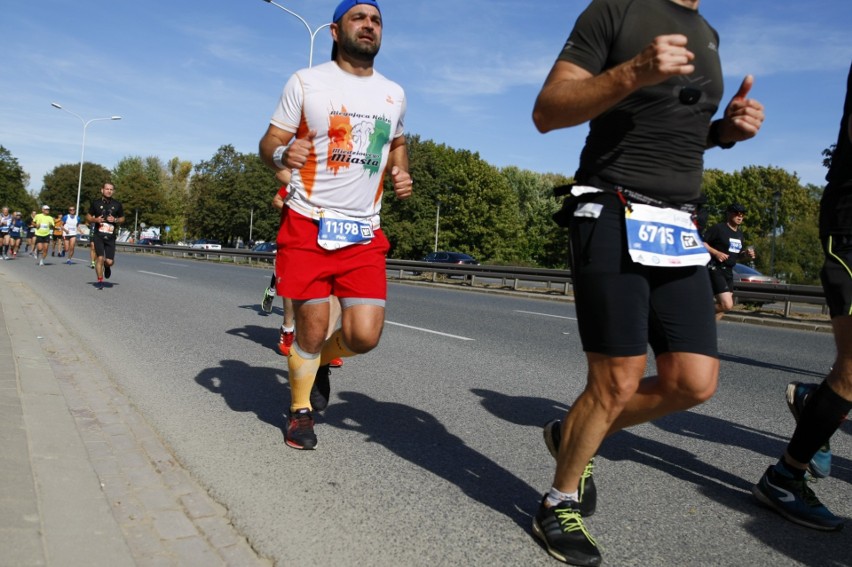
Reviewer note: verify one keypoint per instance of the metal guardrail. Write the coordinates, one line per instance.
(510, 277)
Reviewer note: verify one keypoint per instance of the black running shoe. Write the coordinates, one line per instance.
(321, 389)
(107, 270)
(564, 534)
(794, 499)
(587, 491)
(300, 430)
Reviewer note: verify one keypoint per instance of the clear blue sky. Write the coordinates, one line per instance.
(188, 77)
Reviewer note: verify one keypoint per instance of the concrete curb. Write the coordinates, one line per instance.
(86, 481)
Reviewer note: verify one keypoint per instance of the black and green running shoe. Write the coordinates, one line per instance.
(564, 534)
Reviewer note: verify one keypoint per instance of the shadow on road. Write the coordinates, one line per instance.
(261, 390)
(262, 335)
(410, 433)
(421, 439)
(719, 481)
(771, 366)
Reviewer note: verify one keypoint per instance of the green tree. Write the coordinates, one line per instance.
(138, 184)
(827, 155)
(60, 185)
(478, 208)
(781, 220)
(176, 195)
(546, 242)
(13, 184)
(230, 196)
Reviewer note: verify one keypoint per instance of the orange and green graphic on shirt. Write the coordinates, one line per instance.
(378, 140)
(339, 140)
(361, 143)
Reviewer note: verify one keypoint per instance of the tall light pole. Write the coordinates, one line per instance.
(437, 220)
(776, 197)
(313, 33)
(83, 148)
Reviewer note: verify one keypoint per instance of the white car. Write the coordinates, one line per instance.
(206, 244)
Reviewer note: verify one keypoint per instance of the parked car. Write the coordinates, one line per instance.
(206, 244)
(264, 247)
(745, 274)
(149, 242)
(450, 258)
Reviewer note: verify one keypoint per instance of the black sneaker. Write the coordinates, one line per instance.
(794, 499)
(300, 430)
(587, 491)
(321, 389)
(564, 534)
(107, 270)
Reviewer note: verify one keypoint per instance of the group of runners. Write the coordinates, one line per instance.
(58, 234)
(646, 77)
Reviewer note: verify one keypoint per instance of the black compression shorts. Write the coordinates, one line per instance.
(104, 246)
(721, 279)
(622, 306)
(835, 274)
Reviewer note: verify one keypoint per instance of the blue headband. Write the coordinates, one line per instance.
(347, 5)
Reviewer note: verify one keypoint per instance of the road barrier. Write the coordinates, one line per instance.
(516, 278)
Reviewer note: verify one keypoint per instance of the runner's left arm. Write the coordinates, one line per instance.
(398, 166)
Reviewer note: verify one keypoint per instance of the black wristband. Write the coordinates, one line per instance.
(714, 136)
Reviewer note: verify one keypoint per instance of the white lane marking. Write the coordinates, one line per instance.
(546, 315)
(430, 331)
(174, 264)
(156, 274)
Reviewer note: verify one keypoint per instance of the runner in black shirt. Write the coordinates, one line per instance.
(820, 409)
(646, 76)
(105, 215)
(725, 243)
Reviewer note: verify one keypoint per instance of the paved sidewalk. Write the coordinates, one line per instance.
(84, 480)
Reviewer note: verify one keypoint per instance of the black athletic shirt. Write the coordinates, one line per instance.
(102, 207)
(650, 141)
(836, 206)
(724, 239)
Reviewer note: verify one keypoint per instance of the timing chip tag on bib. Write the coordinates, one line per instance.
(663, 237)
(338, 232)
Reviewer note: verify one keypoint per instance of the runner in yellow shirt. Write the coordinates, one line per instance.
(43, 226)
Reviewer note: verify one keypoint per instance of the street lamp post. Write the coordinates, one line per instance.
(251, 225)
(83, 148)
(437, 220)
(313, 33)
(776, 197)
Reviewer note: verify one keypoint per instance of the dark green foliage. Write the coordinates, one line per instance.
(59, 190)
(230, 195)
(13, 185)
(778, 205)
(500, 216)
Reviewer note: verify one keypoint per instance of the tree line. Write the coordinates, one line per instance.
(498, 215)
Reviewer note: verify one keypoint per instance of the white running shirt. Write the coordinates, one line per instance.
(69, 224)
(355, 118)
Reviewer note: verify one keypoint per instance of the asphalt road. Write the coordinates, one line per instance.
(431, 451)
